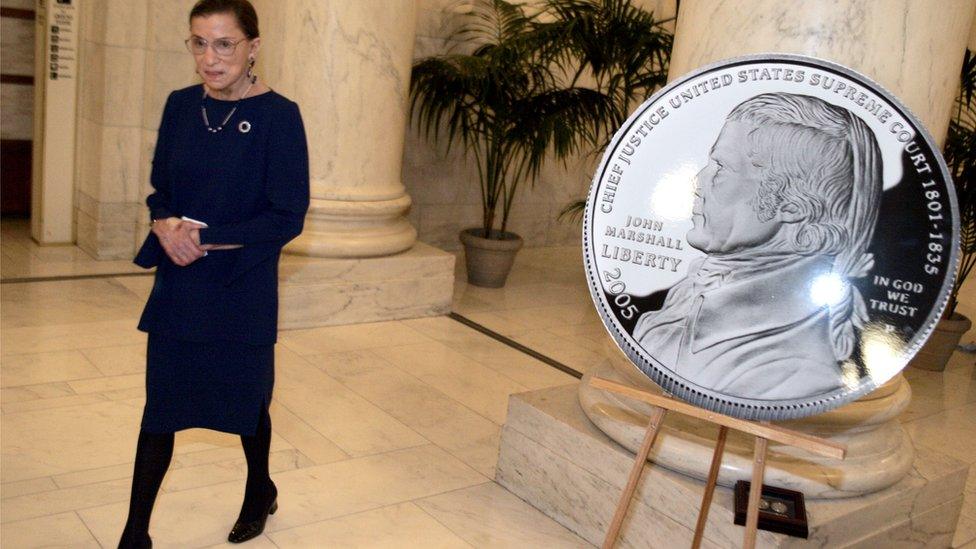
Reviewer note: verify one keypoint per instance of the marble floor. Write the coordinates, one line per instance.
(385, 434)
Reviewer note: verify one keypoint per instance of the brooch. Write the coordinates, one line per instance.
(244, 126)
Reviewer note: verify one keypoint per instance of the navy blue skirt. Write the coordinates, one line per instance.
(219, 385)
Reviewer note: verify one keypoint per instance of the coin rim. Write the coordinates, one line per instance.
(745, 408)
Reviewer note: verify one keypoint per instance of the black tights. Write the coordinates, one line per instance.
(153, 454)
(259, 491)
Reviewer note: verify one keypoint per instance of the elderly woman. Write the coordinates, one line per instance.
(230, 174)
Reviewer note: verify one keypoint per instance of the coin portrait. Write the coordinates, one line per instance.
(771, 236)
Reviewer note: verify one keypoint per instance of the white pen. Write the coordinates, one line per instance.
(191, 220)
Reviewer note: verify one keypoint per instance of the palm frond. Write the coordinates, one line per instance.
(960, 155)
(549, 80)
(573, 211)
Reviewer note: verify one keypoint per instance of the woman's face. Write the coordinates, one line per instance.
(226, 74)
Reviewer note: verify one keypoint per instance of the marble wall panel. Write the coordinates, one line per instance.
(437, 176)
(563, 232)
(88, 159)
(86, 233)
(85, 15)
(107, 211)
(413, 216)
(168, 24)
(93, 20)
(125, 70)
(17, 46)
(16, 116)
(120, 153)
(440, 224)
(972, 35)
(531, 225)
(142, 230)
(560, 183)
(112, 84)
(104, 240)
(165, 71)
(122, 23)
(91, 85)
(148, 144)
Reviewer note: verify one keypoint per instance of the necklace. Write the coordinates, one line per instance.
(203, 109)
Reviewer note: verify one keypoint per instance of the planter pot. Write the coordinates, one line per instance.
(489, 260)
(934, 355)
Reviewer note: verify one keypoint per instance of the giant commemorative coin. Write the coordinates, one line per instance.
(771, 236)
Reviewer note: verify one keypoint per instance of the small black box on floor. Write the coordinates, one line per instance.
(780, 510)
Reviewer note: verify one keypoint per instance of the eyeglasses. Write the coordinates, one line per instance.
(222, 46)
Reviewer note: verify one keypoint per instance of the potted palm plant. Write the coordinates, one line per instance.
(960, 155)
(525, 92)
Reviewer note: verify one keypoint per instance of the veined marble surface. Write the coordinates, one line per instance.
(321, 291)
(553, 457)
(879, 450)
(128, 65)
(347, 64)
(914, 48)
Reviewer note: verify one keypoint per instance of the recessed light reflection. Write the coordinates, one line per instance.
(882, 353)
(674, 195)
(828, 289)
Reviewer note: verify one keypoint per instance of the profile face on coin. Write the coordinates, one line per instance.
(771, 236)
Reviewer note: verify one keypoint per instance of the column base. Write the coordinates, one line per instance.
(321, 291)
(351, 228)
(553, 457)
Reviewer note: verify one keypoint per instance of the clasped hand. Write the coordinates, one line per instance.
(181, 240)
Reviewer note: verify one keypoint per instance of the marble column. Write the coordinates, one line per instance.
(915, 50)
(347, 64)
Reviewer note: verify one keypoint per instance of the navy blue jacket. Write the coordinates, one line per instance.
(251, 186)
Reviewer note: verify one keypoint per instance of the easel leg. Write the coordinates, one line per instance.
(755, 491)
(710, 487)
(657, 415)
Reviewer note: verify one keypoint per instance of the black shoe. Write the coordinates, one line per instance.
(135, 542)
(243, 531)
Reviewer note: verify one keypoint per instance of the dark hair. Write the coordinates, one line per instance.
(242, 10)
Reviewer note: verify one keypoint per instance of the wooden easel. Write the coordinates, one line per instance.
(763, 431)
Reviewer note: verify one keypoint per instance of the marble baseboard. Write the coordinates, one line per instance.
(554, 458)
(104, 240)
(316, 291)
